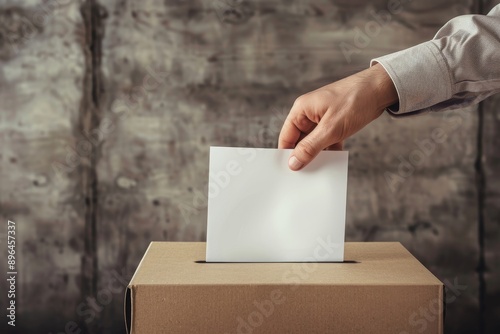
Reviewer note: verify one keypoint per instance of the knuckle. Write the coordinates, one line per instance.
(303, 122)
(300, 101)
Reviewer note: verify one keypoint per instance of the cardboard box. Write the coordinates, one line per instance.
(379, 288)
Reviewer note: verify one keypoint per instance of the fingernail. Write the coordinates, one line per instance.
(294, 163)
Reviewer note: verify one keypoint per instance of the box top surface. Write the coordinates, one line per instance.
(366, 263)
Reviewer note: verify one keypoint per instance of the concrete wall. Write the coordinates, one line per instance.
(108, 109)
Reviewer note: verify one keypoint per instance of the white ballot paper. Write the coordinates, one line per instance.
(261, 211)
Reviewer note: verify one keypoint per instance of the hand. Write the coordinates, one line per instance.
(323, 118)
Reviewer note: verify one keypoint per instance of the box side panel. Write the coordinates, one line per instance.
(443, 307)
(288, 309)
(127, 305)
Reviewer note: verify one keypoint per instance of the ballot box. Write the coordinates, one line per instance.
(379, 288)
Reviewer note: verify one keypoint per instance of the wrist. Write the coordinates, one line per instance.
(385, 92)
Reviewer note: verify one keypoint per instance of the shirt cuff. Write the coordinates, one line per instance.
(421, 77)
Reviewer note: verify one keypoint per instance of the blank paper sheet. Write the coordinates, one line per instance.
(261, 211)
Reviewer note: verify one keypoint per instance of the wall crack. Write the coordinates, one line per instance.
(89, 118)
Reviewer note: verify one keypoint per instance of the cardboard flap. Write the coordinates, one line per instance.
(128, 309)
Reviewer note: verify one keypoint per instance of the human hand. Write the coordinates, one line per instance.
(323, 118)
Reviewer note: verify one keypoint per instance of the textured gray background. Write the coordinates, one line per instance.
(226, 74)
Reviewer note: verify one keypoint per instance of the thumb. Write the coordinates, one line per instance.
(308, 148)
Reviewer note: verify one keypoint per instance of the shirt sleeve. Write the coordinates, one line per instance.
(459, 67)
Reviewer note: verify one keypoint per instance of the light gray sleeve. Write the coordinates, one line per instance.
(459, 67)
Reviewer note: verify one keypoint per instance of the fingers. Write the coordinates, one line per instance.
(289, 135)
(308, 148)
(296, 125)
(308, 133)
